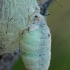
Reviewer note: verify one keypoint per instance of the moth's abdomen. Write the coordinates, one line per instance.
(35, 47)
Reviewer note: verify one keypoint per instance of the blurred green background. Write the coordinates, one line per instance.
(59, 23)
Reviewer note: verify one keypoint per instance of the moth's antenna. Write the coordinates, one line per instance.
(58, 4)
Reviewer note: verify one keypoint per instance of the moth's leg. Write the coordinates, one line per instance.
(7, 60)
(44, 4)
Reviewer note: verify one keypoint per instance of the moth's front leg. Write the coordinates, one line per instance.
(44, 4)
(7, 60)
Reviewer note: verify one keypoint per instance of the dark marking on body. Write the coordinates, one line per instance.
(36, 16)
(42, 25)
(1, 4)
(48, 35)
(43, 37)
(7, 28)
(10, 19)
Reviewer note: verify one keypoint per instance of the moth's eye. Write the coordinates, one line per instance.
(36, 16)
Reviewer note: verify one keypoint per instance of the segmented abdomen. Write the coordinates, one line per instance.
(35, 47)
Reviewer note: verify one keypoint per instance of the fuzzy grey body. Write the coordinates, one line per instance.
(36, 51)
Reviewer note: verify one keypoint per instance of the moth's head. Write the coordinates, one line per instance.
(37, 17)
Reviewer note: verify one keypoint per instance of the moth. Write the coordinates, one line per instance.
(23, 27)
(36, 40)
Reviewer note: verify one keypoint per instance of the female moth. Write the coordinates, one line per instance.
(36, 45)
(21, 24)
